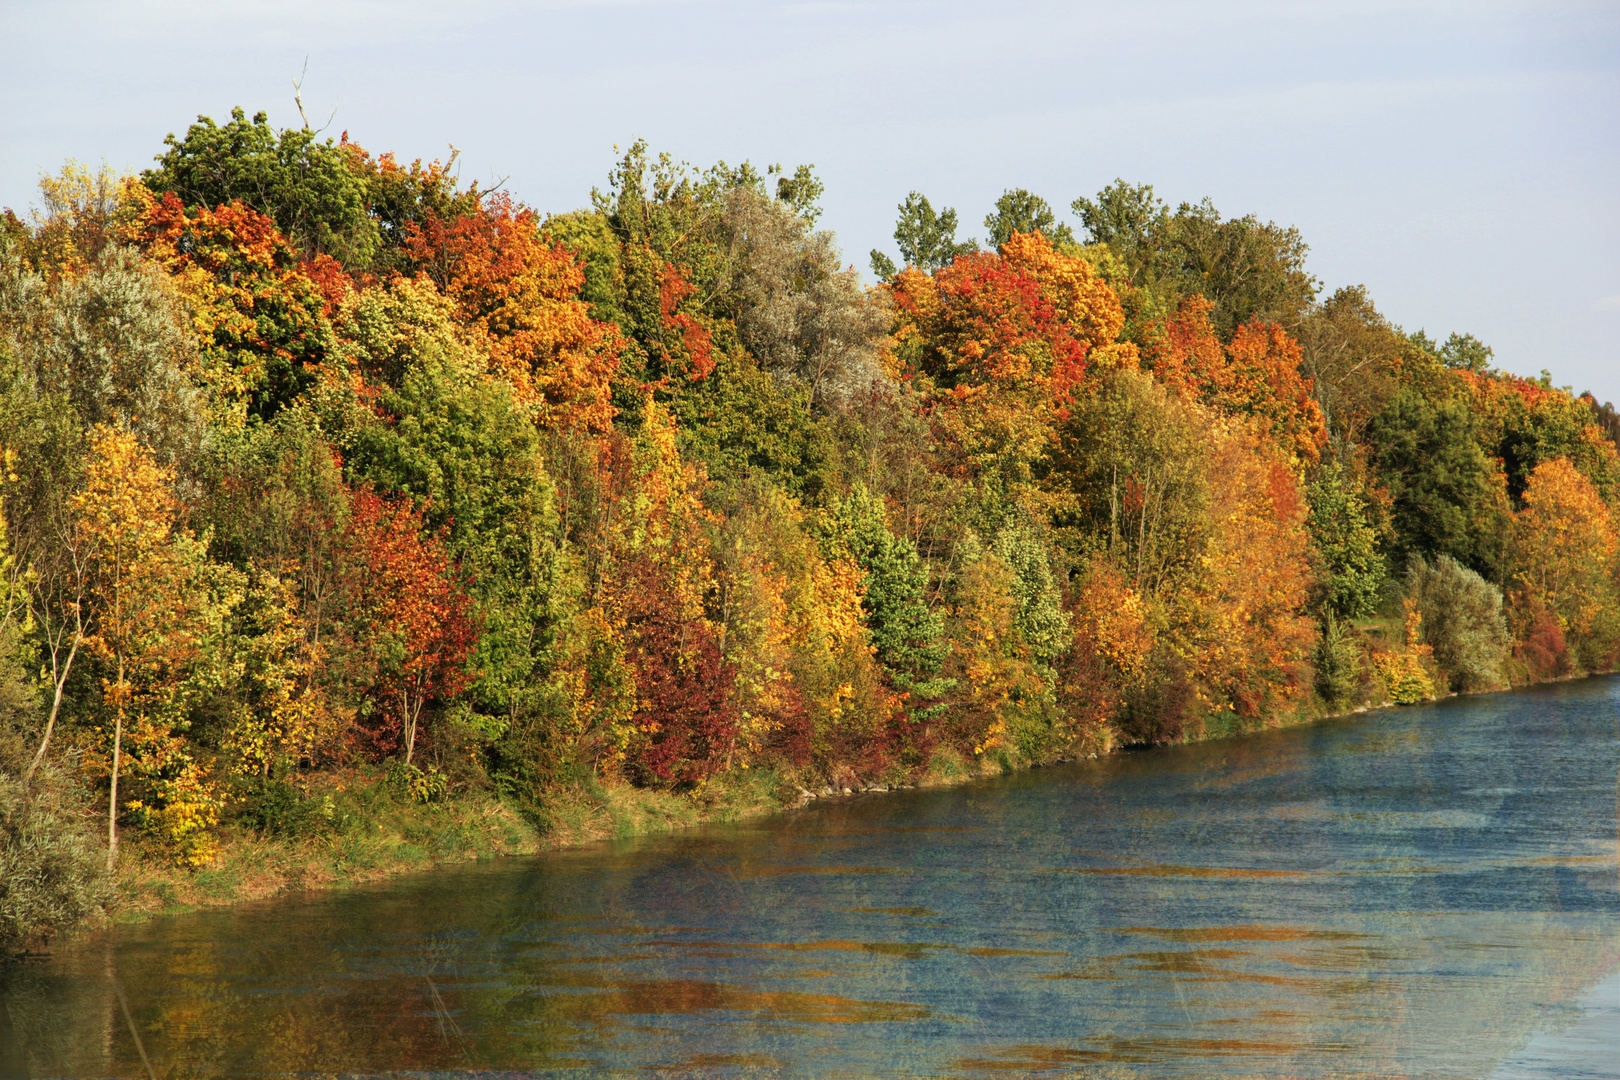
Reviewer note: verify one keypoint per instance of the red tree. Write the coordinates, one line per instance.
(419, 611)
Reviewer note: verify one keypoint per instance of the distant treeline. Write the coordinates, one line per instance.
(316, 460)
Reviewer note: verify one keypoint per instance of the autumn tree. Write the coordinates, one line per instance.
(993, 361)
(808, 685)
(81, 215)
(1564, 558)
(419, 612)
(257, 316)
(146, 635)
(1523, 423)
(516, 295)
(315, 191)
(653, 571)
(1128, 482)
(1256, 373)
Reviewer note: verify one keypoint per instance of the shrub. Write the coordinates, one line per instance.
(1338, 663)
(1541, 647)
(280, 809)
(418, 785)
(1165, 706)
(1405, 681)
(1462, 622)
(52, 868)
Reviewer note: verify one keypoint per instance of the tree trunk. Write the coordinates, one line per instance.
(112, 800)
(56, 706)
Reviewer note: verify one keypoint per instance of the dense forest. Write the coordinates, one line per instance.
(325, 469)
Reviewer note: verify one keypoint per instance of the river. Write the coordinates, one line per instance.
(1423, 892)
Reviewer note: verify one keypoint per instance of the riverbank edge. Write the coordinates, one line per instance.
(418, 838)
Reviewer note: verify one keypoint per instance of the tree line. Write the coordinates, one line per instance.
(317, 460)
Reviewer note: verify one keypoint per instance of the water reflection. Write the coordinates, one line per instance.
(1415, 893)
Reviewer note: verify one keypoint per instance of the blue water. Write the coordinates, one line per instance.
(1424, 892)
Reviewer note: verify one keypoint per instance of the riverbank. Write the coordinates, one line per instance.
(366, 829)
(376, 833)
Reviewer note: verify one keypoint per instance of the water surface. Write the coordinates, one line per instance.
(1424, 892)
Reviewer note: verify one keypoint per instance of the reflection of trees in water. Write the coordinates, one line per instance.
(1161, 911)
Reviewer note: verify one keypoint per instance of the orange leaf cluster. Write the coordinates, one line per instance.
(1256, 375)
(517, 298)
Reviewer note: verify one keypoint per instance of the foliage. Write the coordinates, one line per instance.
(926, 238)
(51, 872)
(315, 192)
(310, 456)
(1248, 271)
(1017, 211)
(999, 700)
(1350, 572)
(1462, 622)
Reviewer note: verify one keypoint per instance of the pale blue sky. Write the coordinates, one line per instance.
(1462, 160)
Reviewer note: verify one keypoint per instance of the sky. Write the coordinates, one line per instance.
(1459, 159)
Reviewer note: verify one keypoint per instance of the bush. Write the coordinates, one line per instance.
(1405, 681)
(1462, 622)
(1338, 663)
(52, 867)
(418, 785)
(280, 809)
(1541, 647)
(1164, 707)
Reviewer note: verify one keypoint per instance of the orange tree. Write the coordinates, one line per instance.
(517, 299)
(257, 315)
(419, 613)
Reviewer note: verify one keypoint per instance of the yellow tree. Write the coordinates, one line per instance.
(1564, 556)
(145, 633)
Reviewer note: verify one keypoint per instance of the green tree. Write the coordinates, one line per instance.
(1039, 613)
(926, 238)
(1350, 571)
(1462, 621)
(314, 191)
(1443, 495)
(1250, 270)
(1247, 268)
(1019, 211)
(906, 633)
(113, 344)
(1127, 218)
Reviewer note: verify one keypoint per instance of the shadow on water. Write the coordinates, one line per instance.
(1424, 892)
